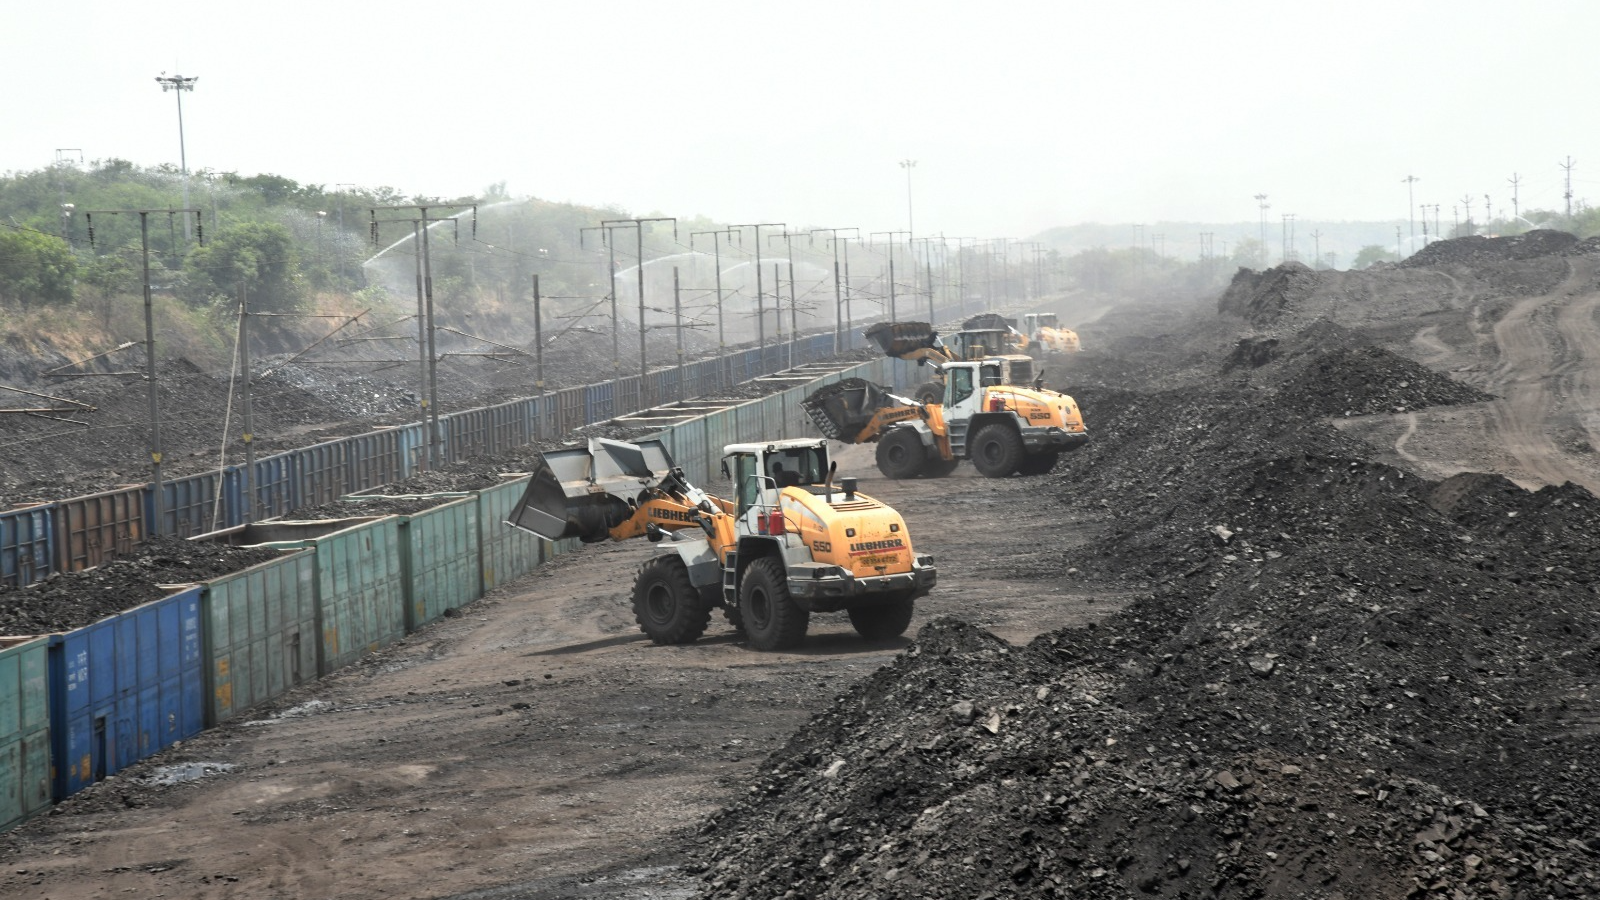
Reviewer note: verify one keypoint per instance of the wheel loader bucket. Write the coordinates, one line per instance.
(840, 411)
(584, 492)
(899, 338)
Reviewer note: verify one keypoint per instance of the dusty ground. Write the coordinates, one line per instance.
(534, 739)
(537, 747)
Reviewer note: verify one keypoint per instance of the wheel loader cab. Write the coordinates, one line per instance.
(760, 474)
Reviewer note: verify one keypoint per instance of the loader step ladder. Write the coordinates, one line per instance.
(730, 580)
(957, 431)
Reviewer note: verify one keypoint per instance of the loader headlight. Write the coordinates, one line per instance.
(821, 572)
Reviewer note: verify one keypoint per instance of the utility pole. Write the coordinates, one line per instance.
(1411, 206)
(927, 261)
(1567, 193)
(1285, 246)
(423, 225)
(677, 327)
(1261, 200)
(178, 84)
(64, 158)
(611, 273)
(1488, 211)
(1397, 255)
(838, 293)
(911, 227)
(158, 491)
(1515, 180)
(1466, 203)
(1316, 238)
(716, 256)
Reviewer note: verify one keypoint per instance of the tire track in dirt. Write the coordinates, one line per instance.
(1531, 349)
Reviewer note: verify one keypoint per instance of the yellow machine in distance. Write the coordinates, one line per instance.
(1047, 334)
(1003, 426)
(789, 544)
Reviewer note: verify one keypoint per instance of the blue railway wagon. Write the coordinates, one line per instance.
(628, 398)
(273, 488)
(27, 545)
(599, 402)
(24, 729)
(321, 473)
(569, 409)
(377, 457)
(124, 688)
(195, 504)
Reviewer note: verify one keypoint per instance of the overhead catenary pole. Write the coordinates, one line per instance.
(611, 275)
(761, 314)
(158, 486)
(716, 256)
(838, 287)
(1261, 202)
(677, 318)
(890, 235)
(1516, 209)
(911, 222)
(1566, 193)
(644, 361)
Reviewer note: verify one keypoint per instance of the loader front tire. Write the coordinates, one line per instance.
(666, 603)
(879, 620)
(901, 454)
(997, 450)
(772, 620)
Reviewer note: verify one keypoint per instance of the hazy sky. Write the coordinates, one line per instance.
(1020, 115)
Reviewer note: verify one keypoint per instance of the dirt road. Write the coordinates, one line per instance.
(535, 738)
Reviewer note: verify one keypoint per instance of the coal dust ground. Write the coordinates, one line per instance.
(1314, 615)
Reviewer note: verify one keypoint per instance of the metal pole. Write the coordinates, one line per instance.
(849, 316)
(422, 332)
(538, 357)
(838, 306)
(249, 436)
(677, 318)
(777, 306)
(616, 345)
(183, 164)
(891, 284)
(435, 452)
(794, 319)
(643, 364)
(157, 498)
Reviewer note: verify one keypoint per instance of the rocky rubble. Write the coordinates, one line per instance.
(1342, 681)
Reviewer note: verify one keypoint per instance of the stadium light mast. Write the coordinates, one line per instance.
(178, 84)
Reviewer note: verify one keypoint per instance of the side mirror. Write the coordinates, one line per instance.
(725, 472)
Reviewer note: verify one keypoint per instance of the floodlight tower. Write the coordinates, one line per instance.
(178, 84)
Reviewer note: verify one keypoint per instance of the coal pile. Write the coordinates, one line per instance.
(65, 602)
(1478, 250)
(1342, 680)
(1261, 297)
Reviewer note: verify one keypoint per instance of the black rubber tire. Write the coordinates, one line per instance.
(772, 620)
(996, 450)
(929, 393)
(938, 468)
(878, 620)
(666, 604)
(901, 454)
(734, 617)
(1038, 464)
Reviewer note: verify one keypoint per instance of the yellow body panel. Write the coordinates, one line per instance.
(1059, 340)
(1039, 408)
(880, 544)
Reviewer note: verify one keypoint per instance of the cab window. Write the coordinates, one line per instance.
(746, 486)
(959, 386)
(797, 465)
(991, 375)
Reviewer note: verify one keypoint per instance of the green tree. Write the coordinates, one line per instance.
(36, 269)
(258, 256)
(1372, 253)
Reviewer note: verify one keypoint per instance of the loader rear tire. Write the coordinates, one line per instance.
(901, 454)
(666, 603)
(772, 620)
(996, 450)
(879, 620)
(1038, 464)
(929, 393)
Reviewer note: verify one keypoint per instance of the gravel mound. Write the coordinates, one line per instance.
(65, 602)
